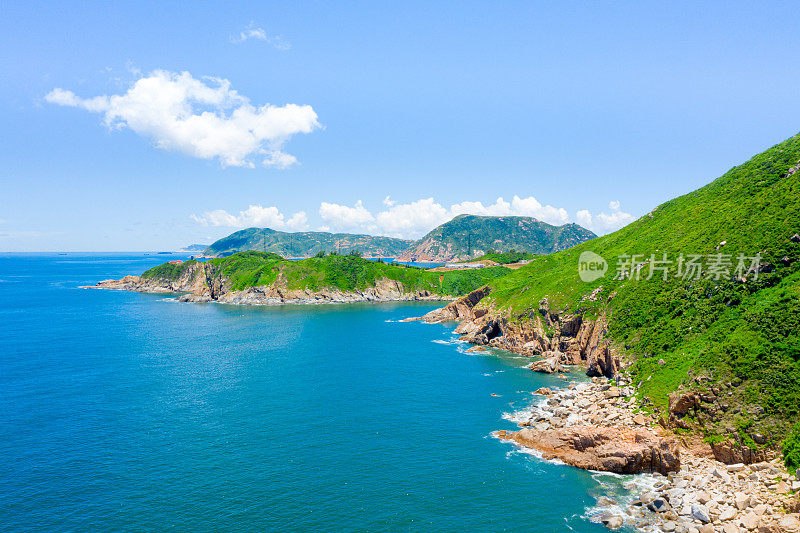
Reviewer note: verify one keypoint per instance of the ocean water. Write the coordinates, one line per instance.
(133, 412)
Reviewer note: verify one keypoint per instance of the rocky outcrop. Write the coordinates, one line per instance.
(602, 361)
(461, 309)
(575, 341)
(705, 408)
(733, 453)
(613, 449)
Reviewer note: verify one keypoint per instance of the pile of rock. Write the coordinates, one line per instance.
(597, 403)
(707, 496)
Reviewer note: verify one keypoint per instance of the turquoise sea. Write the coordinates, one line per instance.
(133, 412)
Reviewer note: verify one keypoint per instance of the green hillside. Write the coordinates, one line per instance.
(738, 336)
(306, 244)
(344, 272)
(504, 258)
(467, 236)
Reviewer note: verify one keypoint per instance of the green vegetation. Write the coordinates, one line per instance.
(333, 271)
(791, 449)
(504, 258)
(305, 244)
(466, 236)
(168, 271)
(740, 337)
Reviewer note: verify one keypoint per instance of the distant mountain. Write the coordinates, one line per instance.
(194, 248)
(468, 236)
(306, 244)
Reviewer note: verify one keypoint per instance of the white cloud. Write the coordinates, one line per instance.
(201, 118)
(342, 217)
(255, 215)
(279, 159)
(388, 202)
(606, 223)
(255, 32)
(584, 218)
(526, 207)
(413, 219)
(603, 223)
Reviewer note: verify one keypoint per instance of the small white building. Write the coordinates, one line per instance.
(464, 265)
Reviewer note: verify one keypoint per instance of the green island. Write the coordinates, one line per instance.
(346, 273)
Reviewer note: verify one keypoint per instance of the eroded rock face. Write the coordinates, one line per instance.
(602, 362)
(730, 453)
(576, 341)
(613, 449)
(461, 309)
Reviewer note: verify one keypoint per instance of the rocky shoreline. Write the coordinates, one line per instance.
(595, 425)
(598, 425)
(384, 291)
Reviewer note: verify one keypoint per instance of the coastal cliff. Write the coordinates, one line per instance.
(557, 339)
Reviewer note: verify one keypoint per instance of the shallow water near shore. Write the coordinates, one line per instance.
(127, 411)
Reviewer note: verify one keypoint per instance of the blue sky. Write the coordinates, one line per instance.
(389, 117)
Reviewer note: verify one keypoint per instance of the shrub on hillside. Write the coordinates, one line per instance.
(791, 448)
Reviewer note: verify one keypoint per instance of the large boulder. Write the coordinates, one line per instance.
(681, 403)
(613, 449)
(550, 364)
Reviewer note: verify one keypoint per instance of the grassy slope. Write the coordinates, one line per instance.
(344, 272)
(740, 333)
